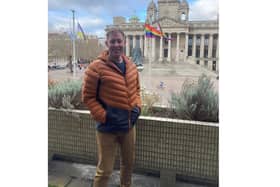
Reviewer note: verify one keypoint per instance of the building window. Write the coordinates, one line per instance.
(165, 53)
(190, 46)
(215, 42)
(190, 51)
(198, 41)
(183, 16)
(165, 41)
(197, 62)
(206, 40)
(197, 46)
(205, 63)
(190, 41)
(214, 52)
(214, 66)
(197, 51)
(130, 38)
(137, 42)
(206, 51)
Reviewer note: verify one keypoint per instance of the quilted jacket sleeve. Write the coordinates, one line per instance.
(139, 103)
(89, 93)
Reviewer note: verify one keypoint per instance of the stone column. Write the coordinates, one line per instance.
(149, 50)
(169, 48)
(141, 43)
(134, 41)
(160, 49)
(194, 46)
(210, 45)
(201, 49)
(145, 46)
(153, 48)
(217, 54)
(177, 47)
(127, 46)
(217, 47)
(186, 47)
(210, 48)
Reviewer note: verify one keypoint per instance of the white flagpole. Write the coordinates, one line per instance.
(74, 46)
(150, 62)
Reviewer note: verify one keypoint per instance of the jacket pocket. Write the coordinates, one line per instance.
(135, 113)
(116, 120)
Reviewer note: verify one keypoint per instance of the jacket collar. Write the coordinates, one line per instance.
(104, 56)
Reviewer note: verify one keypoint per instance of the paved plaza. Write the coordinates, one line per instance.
(161, 79)
(70, 174)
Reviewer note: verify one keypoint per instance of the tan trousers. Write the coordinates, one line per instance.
(107, 145)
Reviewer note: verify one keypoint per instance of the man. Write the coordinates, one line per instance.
(111, 91)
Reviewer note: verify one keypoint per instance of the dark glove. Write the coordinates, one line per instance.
(135, 112)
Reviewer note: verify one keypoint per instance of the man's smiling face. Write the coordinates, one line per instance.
(115, 43)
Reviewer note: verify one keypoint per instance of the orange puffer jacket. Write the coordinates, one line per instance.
(110, 95)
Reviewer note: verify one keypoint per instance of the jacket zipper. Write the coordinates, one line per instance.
(129, 121)
(129, 112)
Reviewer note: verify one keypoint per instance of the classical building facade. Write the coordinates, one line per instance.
(193, 42)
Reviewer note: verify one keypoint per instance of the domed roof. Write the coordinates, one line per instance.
(134, 19)
(168, 1)
(152, 5)
(184, 3)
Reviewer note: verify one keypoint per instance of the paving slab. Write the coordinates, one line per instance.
(58, 180)
(80, 183)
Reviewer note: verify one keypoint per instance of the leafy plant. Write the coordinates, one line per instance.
(196, 101)
(148, 101)
(51, 83)
(65, 94)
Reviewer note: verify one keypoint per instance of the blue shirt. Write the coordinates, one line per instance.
(121, 66)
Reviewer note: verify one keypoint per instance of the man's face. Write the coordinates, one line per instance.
(115, 43)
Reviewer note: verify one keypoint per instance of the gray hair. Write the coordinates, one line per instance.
(115, 30)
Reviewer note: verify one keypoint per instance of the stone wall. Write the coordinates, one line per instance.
(188, 148)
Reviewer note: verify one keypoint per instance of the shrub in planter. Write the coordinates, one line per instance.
(51, 83)
(197, 101)
(65, 94)
(148, 101)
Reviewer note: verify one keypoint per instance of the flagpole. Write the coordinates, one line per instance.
(74, 46)
(150, 63)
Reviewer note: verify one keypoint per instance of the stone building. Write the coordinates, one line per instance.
(193, 42)
(60, 47)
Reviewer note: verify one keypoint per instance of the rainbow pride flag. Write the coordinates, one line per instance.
(151, 31)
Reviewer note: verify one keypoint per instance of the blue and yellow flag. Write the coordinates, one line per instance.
(80, 33)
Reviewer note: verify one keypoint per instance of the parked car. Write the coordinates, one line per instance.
(56, 67)
(140, 67)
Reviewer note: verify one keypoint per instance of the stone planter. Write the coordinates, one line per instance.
(189, 148)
